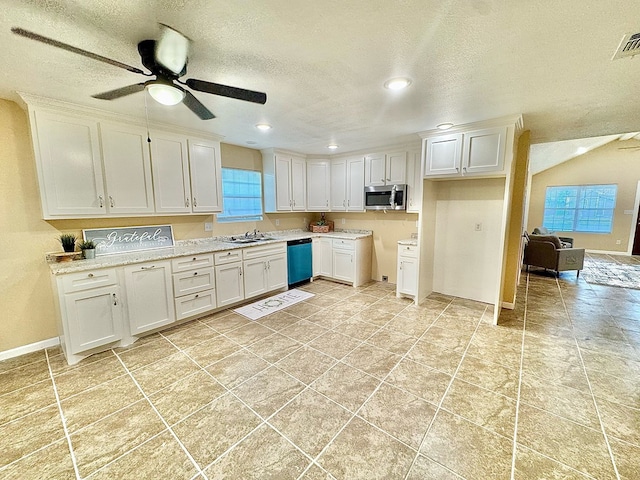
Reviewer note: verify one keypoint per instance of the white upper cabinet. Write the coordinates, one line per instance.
(443, 155)
(318, 185)
(414, 182)
(483, 150)
(170, 162)
(127, 169)
(67, 152)
(386, 169)
(347, 184)
(285, 180)
(338, 185)
(206, 176)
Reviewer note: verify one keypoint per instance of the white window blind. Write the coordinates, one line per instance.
(241, 195)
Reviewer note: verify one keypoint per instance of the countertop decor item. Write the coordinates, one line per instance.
(88, 249)
(110, 241)
(321, 226)
(68, 241)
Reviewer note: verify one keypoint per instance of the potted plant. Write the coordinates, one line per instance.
(68, 241)
(88, 249)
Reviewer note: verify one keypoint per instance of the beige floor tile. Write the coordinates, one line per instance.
(435, 356)
(620, 421)
(310, 421)
(414, 327)
(616, 389)
(302, 309)
(423, 381)
(248, 334)
(85, 376)
(111, 437)
(186, 396)
(268, 391)
(92, 405)
(363, 452)
(626, 457)
(557, 371)
(507, 356)
(329, 318)
(303, 331)
(30, 433)
(482, 407)
(22, 360)
(58, 363)
(346, 385)
(19, 403)
(164, 372)
(356, 329)
(334, 344)
(530, 464)
(374, 316)
(373, 360)
(394, 342)
(23, 376)
(210, 351)
(211, 431)
(160, 457)
(401, 414)
(263, 455)
(556, 437)
(426, 469)
(227, 322)
(278, 320)
(467, 449)
(190, 334)
(306, 364)
(610, 364)
(52, 462)
(322, 301)
(146, 354)
(275, 347)
(237, 368)
(317, 473)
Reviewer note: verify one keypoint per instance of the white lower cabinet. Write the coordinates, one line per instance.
(345, 260)
(230, 283)
(265, 269)
(343, 264)
(407, 270)
(326, 257)
(193, 285)
(150, 301)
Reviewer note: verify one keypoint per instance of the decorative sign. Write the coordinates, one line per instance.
(129, 239)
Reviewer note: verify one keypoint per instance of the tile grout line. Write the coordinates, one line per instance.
(593, 397)
(517, 416)
(444, 395)
(63, 419)
(161, 417)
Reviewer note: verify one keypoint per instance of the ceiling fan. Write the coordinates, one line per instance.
(166, 60)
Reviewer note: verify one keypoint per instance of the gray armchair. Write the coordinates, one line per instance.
(546, 251)
(567, 242)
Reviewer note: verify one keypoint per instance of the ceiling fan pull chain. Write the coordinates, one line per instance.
(146, 116)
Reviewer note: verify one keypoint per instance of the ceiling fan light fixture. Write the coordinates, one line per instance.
(333, 146)
(397, 83)
(444, 126)
(165, 94)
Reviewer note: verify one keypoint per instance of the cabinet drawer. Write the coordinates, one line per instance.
(195, 304)
(76, 282)
(264, 251)
(192, 262)
(344, 244)
(408, 251)
(193, 281)
(229, 256)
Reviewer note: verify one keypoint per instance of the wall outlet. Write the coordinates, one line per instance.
(618, 242)
(478, 227)
(342, 221)
(277, 222)
(385, 278)
(208, 227)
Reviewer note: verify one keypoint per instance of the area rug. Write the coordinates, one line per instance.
(263, 307)
(612, 270)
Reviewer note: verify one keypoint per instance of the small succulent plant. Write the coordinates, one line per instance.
(68, 241)
(86, 245)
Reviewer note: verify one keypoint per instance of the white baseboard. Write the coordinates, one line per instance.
(607, 252)
(32, 347)
(508, 305)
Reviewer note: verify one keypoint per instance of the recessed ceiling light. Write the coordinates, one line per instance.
(263, 126)
(397, 83)
(333, 146)
(581, 150)
(251, 142)
(444, 126)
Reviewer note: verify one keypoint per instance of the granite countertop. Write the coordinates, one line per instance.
(196, 246)
(409, 241)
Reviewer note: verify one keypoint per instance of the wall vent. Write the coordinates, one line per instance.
(629, 46)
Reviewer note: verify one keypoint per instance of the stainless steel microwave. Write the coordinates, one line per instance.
(385, 197)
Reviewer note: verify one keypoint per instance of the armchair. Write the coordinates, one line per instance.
(546, 251)
(567, 242)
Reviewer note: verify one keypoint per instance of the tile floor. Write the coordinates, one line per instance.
(351, 384)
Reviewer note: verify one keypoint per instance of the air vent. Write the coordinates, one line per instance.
(629, 46)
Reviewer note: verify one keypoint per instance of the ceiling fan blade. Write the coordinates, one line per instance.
(171, 50)
(120, 92)
(226, 91)
(197, 107)
(55, 43)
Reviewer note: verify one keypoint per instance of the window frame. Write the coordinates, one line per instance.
(223, 217)
(574, 215)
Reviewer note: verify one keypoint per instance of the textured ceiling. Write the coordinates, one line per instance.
(323, 64)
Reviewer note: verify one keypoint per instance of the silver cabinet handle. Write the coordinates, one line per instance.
(197, 295)
(327, 203)
(101, 201)
(348, 203)
(195, 273)
(194, 259)
(186, 202)
(111, 201)
(148, 268)
(382, 180)
(115, 299)
(388, 179)
(240, 271)
(90, 275)
(400, 265)
(344, 203)
(195, 202)
(269, 263)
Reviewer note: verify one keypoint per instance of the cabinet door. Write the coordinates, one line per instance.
(298, 184)
(407, 275)
(229, 284)
(255, 277)
(149, 296)
(326, 255)
(284, 202)
(316, 255)
(442, 155)
(343, 267)
(396, 168)
(205, 172)
(170, 164)
(414, 182)
(277, 271)
(69, 164)
(318, 185)
(339, 185)
(483, 150)
(355, 186)
(374, 170)
(94, 318)
(127, 169)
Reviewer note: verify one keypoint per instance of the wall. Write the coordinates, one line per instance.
(606, 164)
(26, 298)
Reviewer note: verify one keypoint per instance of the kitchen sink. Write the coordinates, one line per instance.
(242, 240)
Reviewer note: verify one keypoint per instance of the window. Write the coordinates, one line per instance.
(580, 208)
(241, 196)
